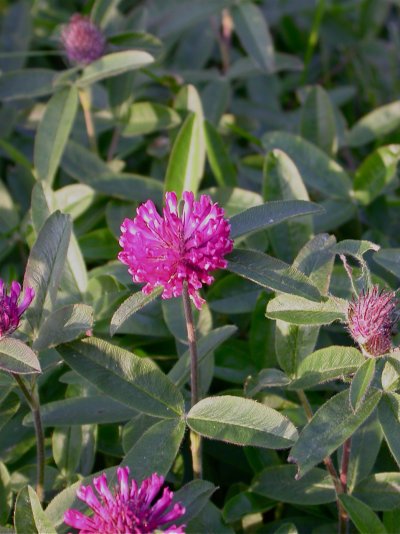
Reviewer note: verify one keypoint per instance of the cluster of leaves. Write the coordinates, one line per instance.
(284, 113)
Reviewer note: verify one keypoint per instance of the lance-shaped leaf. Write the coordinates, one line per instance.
(45, 266)
(318, 170)
(389, 258)
(125, 377)
(271, 272)
(380, 491)
(253, 32)
(194, 496)
(147, 117)
(186, 162)
(245, 503)
(331, 425)
(278, 482)
(27, 83)
(218, 157)
(63, 325)
(6, 495)
(16, 357)
(366, 521)
(375, 124)
(241, 421)
(267, 378)
(113, 64)
(327, 364)
(169, 433)
(389, 418)
(300, 311)
(318, 123)
(29, 515)
(361, 383)
(270, 214)
(375, 173)
(53, 132)
(8, 408)
(130, 306)
(83, 411)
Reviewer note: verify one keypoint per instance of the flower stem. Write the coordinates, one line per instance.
(337, 481)
(195, 440)
(84, 97)
(33, 402)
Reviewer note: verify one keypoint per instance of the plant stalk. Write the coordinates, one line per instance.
(195, 440)
(84, 97)
(337, 481)
(33, 402)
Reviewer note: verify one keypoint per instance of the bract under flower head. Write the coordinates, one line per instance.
(371, 318)
(83, 41)
(127, 510)
(182, 246)
(10, 310)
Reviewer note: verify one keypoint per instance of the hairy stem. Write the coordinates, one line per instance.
(33, 402)
(195, 440)
(84, 97)
(337, 481)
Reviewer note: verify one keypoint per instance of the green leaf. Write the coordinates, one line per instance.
(327, 364)
(89, 169)
(287, 528)
(380, 491)
(282, 181)
(45, 266)
(245, 503)
(389, 258)
(66, 447)
(366, 521)
(300, 311)
(391, 374)
(361, 383)
(319, 172)
(6, 496)
(293, 344)
(53, 132)
(82, 411)
(113, 64)
(331, 425)
(168, 433)
(253, 32)
(186, 163)
(267, 378)
(278, 483)
(218, 157)
(27, 83)
(148, 117)
(16, 357)
(63, 325)
(375, 173)
(242, 422)
(374, 125)
(130, 306)
(271, 272)
(317, 122)
(8, 408)
(29, 516)
(269, 214)
(389, 418)
(123, 376)
(180, 372)
(194, 496)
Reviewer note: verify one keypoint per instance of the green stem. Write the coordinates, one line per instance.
(195, 440)
(85, 98)
(33, 402)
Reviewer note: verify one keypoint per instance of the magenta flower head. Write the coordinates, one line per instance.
(129, 509)
(371, 318)
(10, 310)
(184, 245)
(83, 41)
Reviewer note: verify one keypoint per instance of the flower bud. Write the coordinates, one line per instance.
(83, 41)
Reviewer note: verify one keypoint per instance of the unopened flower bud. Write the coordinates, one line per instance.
(83, 40)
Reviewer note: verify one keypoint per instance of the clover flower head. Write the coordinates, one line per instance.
(371, 318)
(129, 509)
(10, 310)
(183, 246)
(83, 40)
